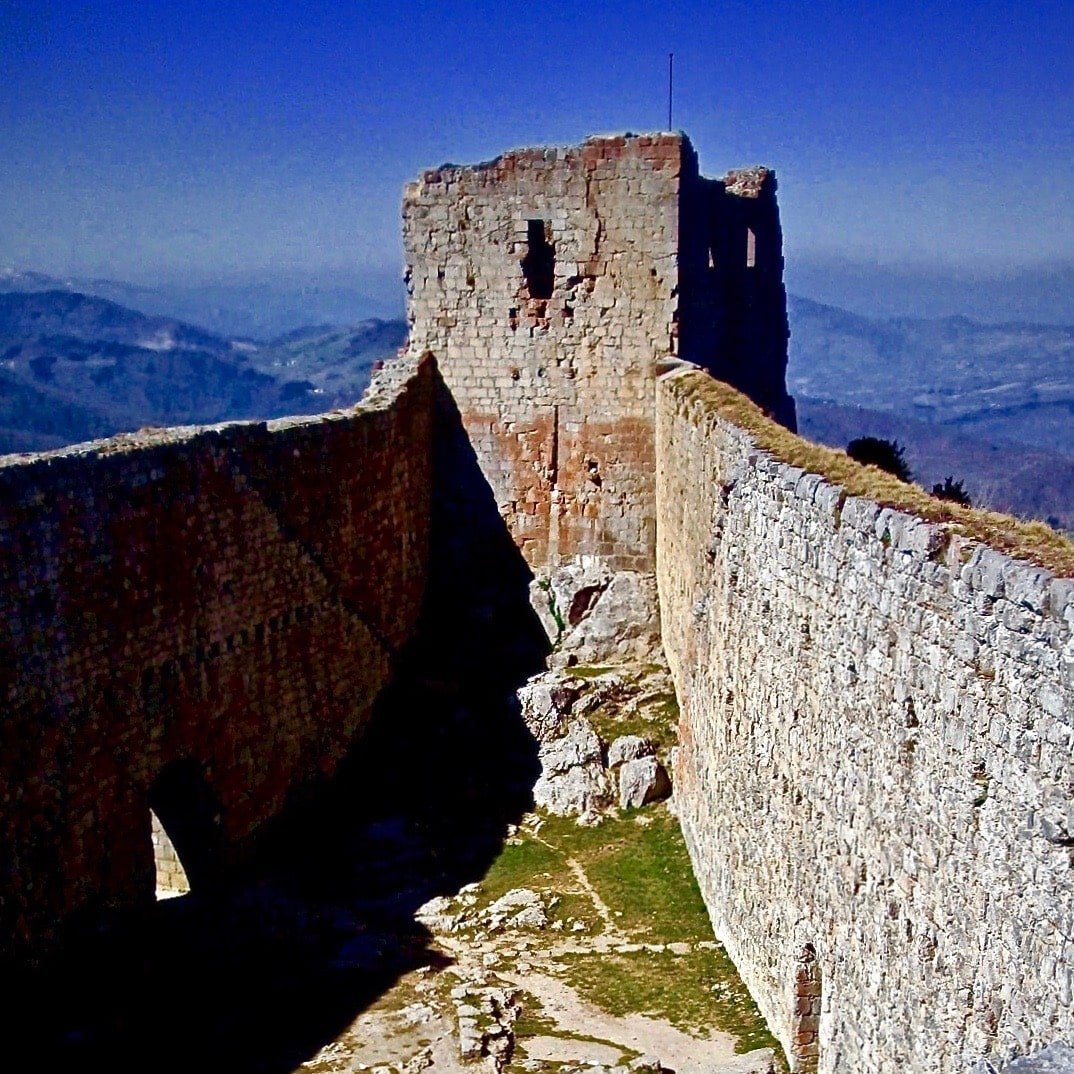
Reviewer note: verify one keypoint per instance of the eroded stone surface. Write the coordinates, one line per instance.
(874, 775)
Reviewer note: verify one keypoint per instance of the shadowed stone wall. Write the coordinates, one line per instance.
(875, 777)
(229, 599)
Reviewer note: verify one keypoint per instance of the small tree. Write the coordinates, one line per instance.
(952, 490)
(884, 454)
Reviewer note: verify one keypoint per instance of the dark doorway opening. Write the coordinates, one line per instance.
(189, 812)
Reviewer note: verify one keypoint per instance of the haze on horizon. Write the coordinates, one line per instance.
(151, 141)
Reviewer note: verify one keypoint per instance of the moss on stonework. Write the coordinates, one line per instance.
(1036, 542)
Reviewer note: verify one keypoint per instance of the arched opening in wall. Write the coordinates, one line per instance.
(539, 264)
(187, 829)
(171, 876)
(751, 248)
(805, 1042)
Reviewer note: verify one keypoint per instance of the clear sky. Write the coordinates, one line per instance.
(164, 137)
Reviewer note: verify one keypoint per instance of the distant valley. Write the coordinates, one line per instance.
(991, 404)
(75, 367)
(1009, 381)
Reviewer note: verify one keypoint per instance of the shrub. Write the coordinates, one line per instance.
(884, 454)
(952, 490)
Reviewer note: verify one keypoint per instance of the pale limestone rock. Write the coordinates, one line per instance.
(518, 909)
(546, 701)
(572, 780)
(628, 748)
(642, 781)
(619, 621)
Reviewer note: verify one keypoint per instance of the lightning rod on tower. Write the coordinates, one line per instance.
(671, 83)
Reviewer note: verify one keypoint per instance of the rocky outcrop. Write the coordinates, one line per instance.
(641, 782)
(593, 615)
(580, 776)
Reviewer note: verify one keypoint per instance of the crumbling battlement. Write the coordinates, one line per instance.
(550, 283)
(196, 621)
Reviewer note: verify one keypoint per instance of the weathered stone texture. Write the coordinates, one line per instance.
(554, 385)
(876, 758)
(233, 595)
(171, 878)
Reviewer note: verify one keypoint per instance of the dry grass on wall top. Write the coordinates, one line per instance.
(1033, 541)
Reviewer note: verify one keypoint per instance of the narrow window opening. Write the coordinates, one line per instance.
(712, 258)
(807, 1001)
(539, 264)
(751, 248)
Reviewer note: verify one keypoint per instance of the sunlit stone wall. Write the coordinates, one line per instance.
(875, 778)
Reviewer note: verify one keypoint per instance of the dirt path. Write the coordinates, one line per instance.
(678, 1051)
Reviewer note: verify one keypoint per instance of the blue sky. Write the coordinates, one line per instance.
(147, 139)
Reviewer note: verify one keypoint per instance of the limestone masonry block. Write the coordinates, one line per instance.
(875, 779)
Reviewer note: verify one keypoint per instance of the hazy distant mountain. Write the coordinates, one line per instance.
(1003, 476)
(338, 362)
(75, 367)
(255, 305)
(108, 369)
(1007, 381)
(1043, 294)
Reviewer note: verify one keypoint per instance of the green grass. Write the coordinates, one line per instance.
(528, 864)
(656, 719)
(531, 864)
(583, 671)
(642, 872)
(696, 992)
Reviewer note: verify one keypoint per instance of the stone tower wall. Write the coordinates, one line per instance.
(232, 598)
(875, 777)
(554, 384)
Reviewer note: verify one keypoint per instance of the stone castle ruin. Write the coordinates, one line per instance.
(874, 777)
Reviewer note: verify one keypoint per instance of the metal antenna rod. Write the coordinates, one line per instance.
(671, 83)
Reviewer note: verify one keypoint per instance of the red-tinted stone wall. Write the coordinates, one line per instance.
(556, 392)
(233, 596)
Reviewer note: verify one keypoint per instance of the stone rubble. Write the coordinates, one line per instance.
(579, 775)
(1057, 1058)
(642, 781)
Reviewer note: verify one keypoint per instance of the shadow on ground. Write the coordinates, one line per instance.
(260, 971)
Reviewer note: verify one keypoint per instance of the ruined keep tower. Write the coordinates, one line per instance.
(551, 284)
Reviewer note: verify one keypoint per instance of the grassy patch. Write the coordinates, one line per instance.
(642, 873)
(1033, 541)
(528, 864)
(583, 671)
(696, 991)
(534, 865)
(656, 719)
